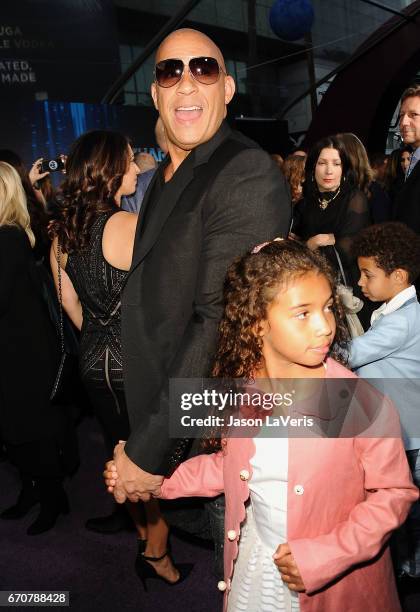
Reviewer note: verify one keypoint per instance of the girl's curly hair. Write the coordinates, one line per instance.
(251, 284)
(95, 168)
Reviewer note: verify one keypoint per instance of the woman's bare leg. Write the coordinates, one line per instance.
(157, 541)
(137, 513)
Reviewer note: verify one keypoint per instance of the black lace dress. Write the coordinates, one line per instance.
(99, 285)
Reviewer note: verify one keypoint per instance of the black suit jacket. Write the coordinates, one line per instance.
(225, 197)
(407, 201)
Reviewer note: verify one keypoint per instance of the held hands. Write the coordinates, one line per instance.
(320, 240)
(127, 481)
(288, 569)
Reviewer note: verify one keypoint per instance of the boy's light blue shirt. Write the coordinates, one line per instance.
(390, 350)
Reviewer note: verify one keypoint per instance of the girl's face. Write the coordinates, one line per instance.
(405, 161)
(328, 170)
(299, 328)
(129, 180)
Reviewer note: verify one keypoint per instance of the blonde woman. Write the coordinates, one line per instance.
(29, 426)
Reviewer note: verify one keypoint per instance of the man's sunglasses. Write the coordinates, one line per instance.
(205, 70)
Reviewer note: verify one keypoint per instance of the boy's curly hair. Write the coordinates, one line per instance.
(251, 284)
(393, 245)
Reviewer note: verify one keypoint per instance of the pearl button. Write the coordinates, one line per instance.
(222, 586)
(298, 489)
(231, 534)
(244, 475)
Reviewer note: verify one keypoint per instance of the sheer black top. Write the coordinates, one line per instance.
(344, 217)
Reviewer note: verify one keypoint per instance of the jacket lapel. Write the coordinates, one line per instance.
(147, 234)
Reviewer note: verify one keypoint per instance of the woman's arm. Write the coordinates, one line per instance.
(320, 240)
(118, 239)
(356, 218)
(71, 302)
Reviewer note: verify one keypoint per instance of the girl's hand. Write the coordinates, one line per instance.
(288, 569)
(35, 173)
(110, 475)
(320, 240)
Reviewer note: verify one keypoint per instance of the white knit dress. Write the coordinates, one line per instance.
(256, 583)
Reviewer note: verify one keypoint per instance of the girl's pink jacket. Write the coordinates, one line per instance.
(345, 497)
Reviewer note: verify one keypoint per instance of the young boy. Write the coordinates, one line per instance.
(388, 256)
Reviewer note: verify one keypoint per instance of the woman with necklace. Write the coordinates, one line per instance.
(333, 210)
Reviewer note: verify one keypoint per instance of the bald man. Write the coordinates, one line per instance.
(215, 196)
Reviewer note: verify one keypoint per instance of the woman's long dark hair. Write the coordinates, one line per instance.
(95, 168)
(394, 170)
(310, 188)
(359, 160)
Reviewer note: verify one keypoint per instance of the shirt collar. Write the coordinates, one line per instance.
(203, 152)
(415, 156)
(397, 301)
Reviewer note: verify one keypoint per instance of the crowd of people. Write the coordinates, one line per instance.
(222, 262)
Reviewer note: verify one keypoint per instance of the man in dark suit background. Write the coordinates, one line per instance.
(407, 203)
(215, 196)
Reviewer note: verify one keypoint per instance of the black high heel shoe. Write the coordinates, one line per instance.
(28, 497)
(49, 513)
(145, 570)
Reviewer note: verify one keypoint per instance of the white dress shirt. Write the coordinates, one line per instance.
(396, 302)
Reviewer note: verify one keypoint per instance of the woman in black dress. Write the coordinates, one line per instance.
(333, 210)
(379, 202)
(31, 427)
(93, 241)
(396, 169)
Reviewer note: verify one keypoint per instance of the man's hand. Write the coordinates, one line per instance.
(288, 569)
(132, 482)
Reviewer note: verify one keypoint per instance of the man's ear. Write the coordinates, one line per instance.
(400, 276)
(229, 88)
(153, 93)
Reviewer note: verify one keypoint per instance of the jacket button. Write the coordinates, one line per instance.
(298, 489)
(231, 534)
(244, 475)
(221, 585)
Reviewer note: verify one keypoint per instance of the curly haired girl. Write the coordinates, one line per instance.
(307, 518)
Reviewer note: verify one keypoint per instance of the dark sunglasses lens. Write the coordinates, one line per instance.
(204, 69)
(169, 72)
